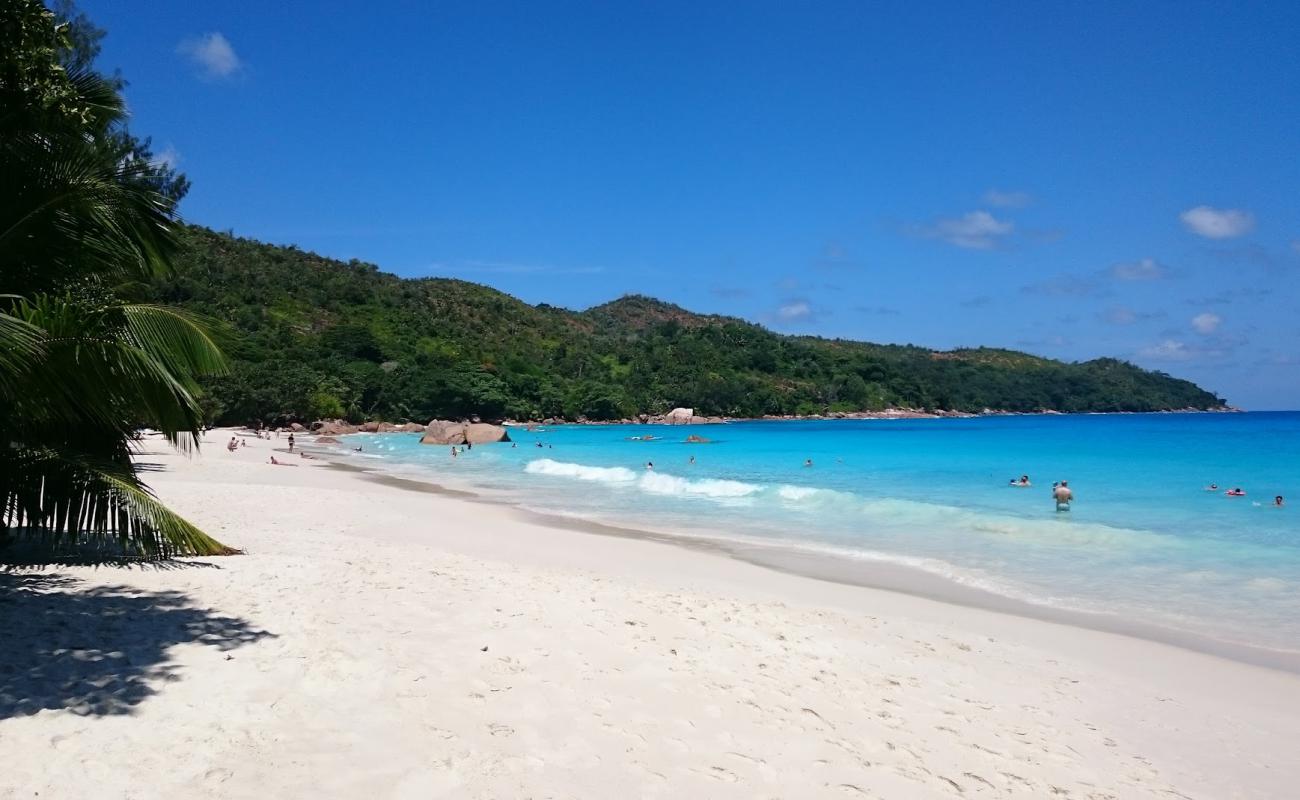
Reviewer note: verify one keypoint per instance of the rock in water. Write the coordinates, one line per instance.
(483, 433)
(440, 431)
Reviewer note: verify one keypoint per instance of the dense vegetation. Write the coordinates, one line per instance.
(312, 337)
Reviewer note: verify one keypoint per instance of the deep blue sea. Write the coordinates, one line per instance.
(1144, 538)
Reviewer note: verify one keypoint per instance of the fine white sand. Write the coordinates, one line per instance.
(378, 642)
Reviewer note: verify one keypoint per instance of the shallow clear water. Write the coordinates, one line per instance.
(1143, 539)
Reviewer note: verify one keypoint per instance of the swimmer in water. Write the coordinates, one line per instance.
(1024, 480)
(691, 460)
(1063, 496)
(649, 465)
(1236, 492)
(807, 462)
(1278, 502)
(1213, 487)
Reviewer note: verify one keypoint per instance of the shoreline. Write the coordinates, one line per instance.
(338, 427)
(379, 641)
(867, 573)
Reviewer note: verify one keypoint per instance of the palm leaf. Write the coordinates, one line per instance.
(70, 505)
(180, 339)
(20, 348)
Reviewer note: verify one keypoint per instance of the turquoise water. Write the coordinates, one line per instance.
(1143, 540)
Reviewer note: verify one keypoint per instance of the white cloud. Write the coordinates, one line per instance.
(1001, 199)
(1206, 323)
(1168, 350)
(1218, 223)
(976, 230)
(1148, 269)
(795, 311)
(212, 53)
(169, 157)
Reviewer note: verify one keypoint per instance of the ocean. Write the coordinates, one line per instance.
(1144, 540)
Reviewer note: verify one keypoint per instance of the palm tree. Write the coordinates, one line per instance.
(81, 370)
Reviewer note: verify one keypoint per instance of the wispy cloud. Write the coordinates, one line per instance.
(512, 268)
(1123, 315)
(1168, 350)
(1003, 199)
(213, 54)
(836, 257)
(975, 230)
(1206, 322)
(168, 157)
(1212, 347)
(1218, 223)
(729, 292)
(1230, 296)
(1047, 341)
(1067, 286)
(1146, 269)
(795, 311)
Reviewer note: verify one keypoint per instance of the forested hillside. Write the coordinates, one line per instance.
(312, 337)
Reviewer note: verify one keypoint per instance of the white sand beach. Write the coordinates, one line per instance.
(379, 642)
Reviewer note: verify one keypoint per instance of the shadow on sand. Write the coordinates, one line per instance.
(97, 650)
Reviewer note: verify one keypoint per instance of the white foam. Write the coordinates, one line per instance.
(660, 483)
(797, 493)
(564, 469)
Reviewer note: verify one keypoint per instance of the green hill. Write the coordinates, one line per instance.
(314, 337)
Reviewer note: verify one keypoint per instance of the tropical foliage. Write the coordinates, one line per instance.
(85, 215)
(324, 338)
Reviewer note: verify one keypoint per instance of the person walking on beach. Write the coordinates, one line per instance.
(291, 443)
(1063, 496)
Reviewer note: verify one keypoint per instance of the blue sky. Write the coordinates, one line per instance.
(1074, 180)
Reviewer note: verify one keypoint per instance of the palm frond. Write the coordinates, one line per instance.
(96, 379)
(180, 339)
(71, 505)
(21, 347)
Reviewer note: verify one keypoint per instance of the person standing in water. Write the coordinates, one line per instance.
(1063, 496)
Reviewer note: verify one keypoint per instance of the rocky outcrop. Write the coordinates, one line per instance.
(483, 433)
(679, 416)
(694, 439)
(326, 440)
(333, 427)
(444, 432)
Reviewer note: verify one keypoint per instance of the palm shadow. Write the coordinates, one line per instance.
(97, 650)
